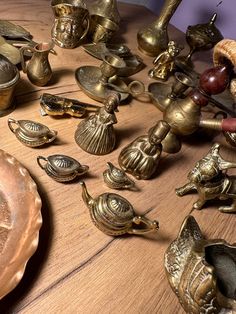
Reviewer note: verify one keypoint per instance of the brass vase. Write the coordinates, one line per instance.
(105, 8)
(153, 38)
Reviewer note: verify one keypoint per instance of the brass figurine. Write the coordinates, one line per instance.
(141, 157)
(199, 37)
(201, 272)
(115, 178)
(38, 69)
(114, 215)
(62, 168)
(96, 134)
(153, 39)
(164, 62)
(98, 82)
(9, 77)
(54, 105)
(71, 22)
(30, 133)
(210, 181)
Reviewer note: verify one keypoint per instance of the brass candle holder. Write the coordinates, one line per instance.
(98, 82)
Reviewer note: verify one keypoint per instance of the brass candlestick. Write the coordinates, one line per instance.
(97, 82)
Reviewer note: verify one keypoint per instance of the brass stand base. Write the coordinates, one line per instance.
(88, 78)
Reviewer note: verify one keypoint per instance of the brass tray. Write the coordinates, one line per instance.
(20, 221)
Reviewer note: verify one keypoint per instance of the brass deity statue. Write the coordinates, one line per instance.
(210, 182)
(96, 134)
(164, 62)
(140, 158)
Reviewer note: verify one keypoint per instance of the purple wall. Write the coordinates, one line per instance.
(191, 12)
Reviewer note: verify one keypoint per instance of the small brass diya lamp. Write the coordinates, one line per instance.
(9, 77)
(114, 215)
(116, 178)
(31, 133)
(201, 272)
(62, 168)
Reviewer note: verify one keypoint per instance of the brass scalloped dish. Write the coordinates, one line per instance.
(20, 221)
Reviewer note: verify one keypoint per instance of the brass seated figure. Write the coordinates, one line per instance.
(210, 181)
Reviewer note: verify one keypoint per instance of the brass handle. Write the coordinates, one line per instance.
(54, 135)
(39, 162)
(10, 122)
(149, 225)
(22, 51)
(86, 29)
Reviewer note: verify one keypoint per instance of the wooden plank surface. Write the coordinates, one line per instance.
(77, 268)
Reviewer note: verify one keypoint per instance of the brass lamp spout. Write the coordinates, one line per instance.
(87, 198)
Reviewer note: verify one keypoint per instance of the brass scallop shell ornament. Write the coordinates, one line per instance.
(114, 215)
(116, 178)
(62, 168)
(201, 272)
(30, 133)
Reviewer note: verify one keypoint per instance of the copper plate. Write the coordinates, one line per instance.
(20, 221)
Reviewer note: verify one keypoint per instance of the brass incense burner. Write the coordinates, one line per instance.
(210, 181)
(141, 157)
(202, 273)
(62, 168)
(199, 37)
(114, 215)
(98, 82)
(54, 105)
(30, 133)
(115, 178)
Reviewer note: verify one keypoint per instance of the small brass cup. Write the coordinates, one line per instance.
(110, 66)
(101, 28)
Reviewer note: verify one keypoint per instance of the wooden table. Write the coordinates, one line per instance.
(77, 268)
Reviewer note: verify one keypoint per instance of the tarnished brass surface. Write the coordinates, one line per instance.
(200, 37)
(101, 29)
(62, 168)
(210, 181)
(38, 69)
(10, 30)
(96, 134)
(31, 133)
(114, 215)
(97, 83)
(134, 63)
(141, 157)
(164, 62)
(105, 8)
(115, 178)
(57, 106)
(9, 51)
(71, 22)
(9, 77)
(20, 221)
(201, 272)
(153, 39)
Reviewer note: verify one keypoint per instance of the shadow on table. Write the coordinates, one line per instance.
(36, 262)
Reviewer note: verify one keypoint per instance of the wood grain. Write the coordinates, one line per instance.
(77, 268)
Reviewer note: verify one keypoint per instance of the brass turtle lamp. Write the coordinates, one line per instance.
(201, 272)
(98, 82)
